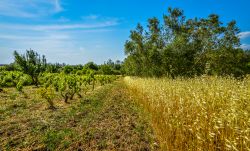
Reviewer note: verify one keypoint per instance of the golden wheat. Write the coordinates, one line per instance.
(203, 113)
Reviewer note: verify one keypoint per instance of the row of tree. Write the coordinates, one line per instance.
(186, 47)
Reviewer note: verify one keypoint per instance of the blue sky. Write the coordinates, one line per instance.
(78, 31)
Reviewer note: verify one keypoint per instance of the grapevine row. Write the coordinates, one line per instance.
(53, 85)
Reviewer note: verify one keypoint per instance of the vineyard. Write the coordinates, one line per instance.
(108, 112)
(55, 85)
(104, 107)
(70, 112)
(174, 82)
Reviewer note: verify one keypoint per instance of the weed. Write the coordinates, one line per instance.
(52, 139)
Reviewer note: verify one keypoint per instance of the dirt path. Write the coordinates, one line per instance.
(104, 120)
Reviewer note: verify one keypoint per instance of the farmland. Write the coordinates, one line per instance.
(130, 113)
(205, 113)
(177, 82)
(103, 119)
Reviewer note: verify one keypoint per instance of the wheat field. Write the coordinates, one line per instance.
(203, 113)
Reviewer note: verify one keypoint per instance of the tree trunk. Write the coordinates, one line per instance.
(66, 99)
(93, 86)
(51, 105)
(72, 96)
(36, 81)
(79, 95)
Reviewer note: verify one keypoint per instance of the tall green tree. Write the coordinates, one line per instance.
(31, 63)
(135, 48)
(154, 45)
(181, 47)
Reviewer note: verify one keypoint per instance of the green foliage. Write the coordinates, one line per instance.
(54, 68)
(48, 93)
(69, 85)
(67, 69)
(2, 68)
(52, 139)
(105, 79)
(14, 79)
(19, 86)
(91, 66)
(106, 69)
(111, 68)
(31, 64)
(8, 67)
(181, 47)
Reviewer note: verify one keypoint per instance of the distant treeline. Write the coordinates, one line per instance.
(186, 47)
(31, 63)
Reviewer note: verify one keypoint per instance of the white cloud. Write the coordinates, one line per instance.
(244, 35)
(245, 46)
(59, 26)
(29, 8)
(20, 37)
(58, 7)
(96, 17)
(69, 46)
(56, 46)
(61, 40)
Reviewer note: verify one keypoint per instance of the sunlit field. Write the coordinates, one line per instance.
(124, 75)
(204, 113)
(103, 119)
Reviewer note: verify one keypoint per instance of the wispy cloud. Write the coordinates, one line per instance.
(75, 40)
(21, 37)
(59, 26)
(29, 8)
(72, 47)
(97, 17)
(58, 7)
(35, 24)
(244, 35)
(245, 46)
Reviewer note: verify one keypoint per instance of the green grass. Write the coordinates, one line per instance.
(104, 119)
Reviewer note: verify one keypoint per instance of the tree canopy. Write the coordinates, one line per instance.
(31, 63)
(185, 47)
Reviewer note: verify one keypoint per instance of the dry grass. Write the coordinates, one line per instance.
(204, 113)
(103, 119)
